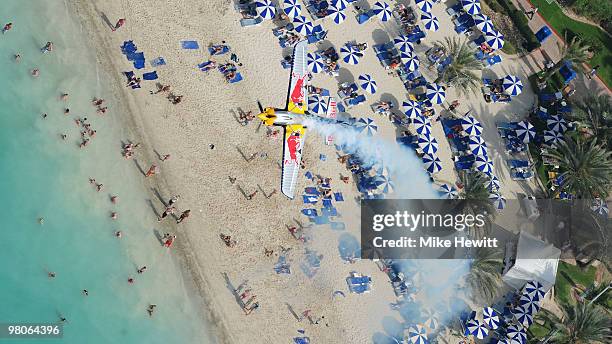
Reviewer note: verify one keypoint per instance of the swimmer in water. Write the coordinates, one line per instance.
(35, 72)
(17, 58)
(64, 96)
(41, 221)
(114, 199)
(114, 215)
(118, 234)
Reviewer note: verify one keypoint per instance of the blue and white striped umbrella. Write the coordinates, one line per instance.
(317, 104)
(432, 163)
(403, 44)
(428, 144)
(410, 60)
(483, 22)
(384, 183)
(556, 123)
(315, 62)
(498, 200)
(411, 108)
(490, 318)
(522, 316)
(367, 125)
(493, 184)
(350, 55)
(417, 335)
(340, 4)
(495, 39)
(422, 125)
(424, 5)
(448, 191)
(435, 93)
(483, 164)
(367, 83)
(512, 85)
(292, 8)
(553, 138)
(302, 25)
(530, 304)
(476, 328)
(431, 321)
(534, 289)
(471, 126)
(337, 15)
(600, 207)
(471, 6)
(517, 334)
(382, 10)
(265, 9)
(525, 131)
(477, 145)
(430, 21)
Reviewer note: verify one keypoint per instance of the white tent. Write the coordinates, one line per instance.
(535, 261)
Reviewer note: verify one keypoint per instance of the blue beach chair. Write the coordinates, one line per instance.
(235, 79)
(311, 190)
(492, 61)
(190, 45)
(310, 212)
(158, 62)
(310, 199)
(150, 76)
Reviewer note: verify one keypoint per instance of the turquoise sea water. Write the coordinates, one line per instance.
(43, 176)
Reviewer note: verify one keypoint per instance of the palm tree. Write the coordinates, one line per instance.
(484, 278)
(581, 323)
(574, 51)
(474, 200)
(594, 117)
(460, 73)
(586, 168)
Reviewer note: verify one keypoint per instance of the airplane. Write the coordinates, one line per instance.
(292, 117)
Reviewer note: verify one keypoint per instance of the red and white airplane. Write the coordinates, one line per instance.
(292, 118)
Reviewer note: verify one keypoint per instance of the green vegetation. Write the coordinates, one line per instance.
(589, 34)
(596, 10)
(594, 118)
(509, 48)
(460, 73)
(567, 272)
(520, 22)
(579, 323)
(484, 278)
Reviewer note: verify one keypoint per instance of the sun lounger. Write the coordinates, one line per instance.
(243, 5)
(235, 79)
(310, 212)
(327, 203)
(507, 125)
(337, 226)
(128, 47)
(150, 76)
(308, 175)
(310, 199)
(521, 175)
(355, 101)
(311, 190)
(301, 340)
(464, 165)
(320, 220)
(338, 197)
(364, 17)
(224, 50)
(245, 22)
(416, 35)
(492, 61)
(134, 56)
(329, 211)
(158, 62)
(190, 45)
(139, 64)
(514, 163)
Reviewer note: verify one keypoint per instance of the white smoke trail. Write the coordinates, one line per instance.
(405, 168)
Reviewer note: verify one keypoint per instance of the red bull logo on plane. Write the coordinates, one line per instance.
(294, 146)
(297, 94)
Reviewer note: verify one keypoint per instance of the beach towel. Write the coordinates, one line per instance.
(364, 17)
(134, 56)
(301, 340)
(190, 45)
(310, 212)
(158, 62)
(311, 190)
(244, 22)
(139, 64)
(128, 47)
(224, 49)
(338, 197)
(322, 157)
(309, 175)
(150, 76)
(337, 226)
(327, 203)
(237, 78)
(309, 199)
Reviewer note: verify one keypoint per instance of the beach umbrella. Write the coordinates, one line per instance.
(477, 145)
(340, 4)
(522, 316)
(432, 163)
(302, 25)
(424, 5)
(367, 125)
(435, 93)
(422, 125)
(471, 126)
(483, 164)
(403, 44)
(448, 191)
(483, 22)
(411, 108)
(493, 183)
(556, 123)
(498, 200)
(530, 304)
(350, 55)
(517, 334)
(384, 183)
(431, 320)
(476, 328)
(417, 335)
(494, 39)
(428, 144)
(410, 60)
(382, 10)
(490, 318)
(265, 9)
(317, 104)
(600, 207)
(525, 131)
(534, 289)
(552, 138)
(472, 7)
(367, 83)
(430, 21)
(292, 8)
(337, 15)
(315, 62)
(512, 85)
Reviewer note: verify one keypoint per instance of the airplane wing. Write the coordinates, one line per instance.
(292, 157)
(332, 111)
(297, 97)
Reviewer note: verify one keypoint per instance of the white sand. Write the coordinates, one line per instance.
(207, 115)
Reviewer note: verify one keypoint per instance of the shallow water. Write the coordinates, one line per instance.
(43, 176)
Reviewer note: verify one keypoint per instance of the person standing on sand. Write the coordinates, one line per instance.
(169, 241)
(173, 200)
(169, 210)
(164, 157)
(119, 24)
(152, 170)
(7, 27)
(248, 311)
(183, 216)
